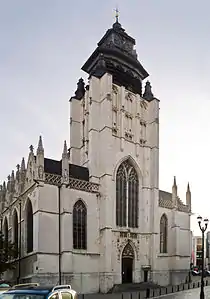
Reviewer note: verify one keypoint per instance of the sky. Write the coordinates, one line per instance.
(43, 47)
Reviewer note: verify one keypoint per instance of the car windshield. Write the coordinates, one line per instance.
(21, 296)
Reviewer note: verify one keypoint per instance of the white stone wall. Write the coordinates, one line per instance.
(82, 266)
(177, 258)
(108, 146)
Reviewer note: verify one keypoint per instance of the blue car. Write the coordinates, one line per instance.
(35, 291)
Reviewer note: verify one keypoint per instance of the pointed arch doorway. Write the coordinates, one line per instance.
(127, 264)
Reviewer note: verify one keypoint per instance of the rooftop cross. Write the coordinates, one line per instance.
(116, 14)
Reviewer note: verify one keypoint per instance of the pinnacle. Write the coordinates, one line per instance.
(65, 150)
(188, 187)
(148, 95)
(174, 185)
(23, 166)
(13, 175)
(40, 148)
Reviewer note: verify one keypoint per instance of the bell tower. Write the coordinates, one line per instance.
(111, 115)
(113, 119)
(116, 55)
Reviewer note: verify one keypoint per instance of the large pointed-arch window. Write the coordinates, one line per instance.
(79, 225)
(163, 233)
(15, 232)
(6, 238)
(127, 190)
(29, 227)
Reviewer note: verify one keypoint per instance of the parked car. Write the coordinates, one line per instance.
(35, 291)
(207, 273)
(4, 286)
(195, 273)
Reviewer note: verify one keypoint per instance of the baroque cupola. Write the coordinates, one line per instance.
(116, 54)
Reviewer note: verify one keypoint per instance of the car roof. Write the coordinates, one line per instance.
(42, 290)
(38, 290)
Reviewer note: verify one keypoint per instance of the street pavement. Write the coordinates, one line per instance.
(192, 294)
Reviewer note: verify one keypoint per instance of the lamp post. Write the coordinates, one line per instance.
(203, 223)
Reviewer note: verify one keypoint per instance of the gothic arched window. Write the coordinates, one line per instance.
(29, 227)
(6, 237)
(127, 191)
(163, 233)
(79, 225)
(15, 232)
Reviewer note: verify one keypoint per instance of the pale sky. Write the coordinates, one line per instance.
(45, 43)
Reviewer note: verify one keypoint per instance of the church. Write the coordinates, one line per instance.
(95, 218)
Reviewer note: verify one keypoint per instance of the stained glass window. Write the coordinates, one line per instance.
(6, 237)
(163, 233)
(79, 225)
(127, 190)
(30, 226)
(15, 232)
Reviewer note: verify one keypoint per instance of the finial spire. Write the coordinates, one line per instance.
(40, 148)
(174, 187)
(65, 150)
(188, 187)
(23, 167)
(31, 148)
(148, 95)
(174, 181)
(80, 92)
(116, 15)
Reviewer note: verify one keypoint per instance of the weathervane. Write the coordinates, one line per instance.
(116, 14)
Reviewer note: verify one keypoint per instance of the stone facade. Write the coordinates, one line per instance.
(110, 124)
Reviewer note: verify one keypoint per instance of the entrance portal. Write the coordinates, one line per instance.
(127, 264)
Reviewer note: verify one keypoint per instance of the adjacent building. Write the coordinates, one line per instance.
(197, 251)
(96, 217)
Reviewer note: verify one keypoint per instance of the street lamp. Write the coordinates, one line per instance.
(203, 223)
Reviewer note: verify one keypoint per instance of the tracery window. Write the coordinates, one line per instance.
(79, 225)
(29, 226)
(6, 237)
(163, 233)
(127, 191)
(15, 232)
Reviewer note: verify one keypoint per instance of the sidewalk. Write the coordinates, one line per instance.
(189, 294)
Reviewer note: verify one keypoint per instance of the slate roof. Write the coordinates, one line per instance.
(165, 201)
(75, 171)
